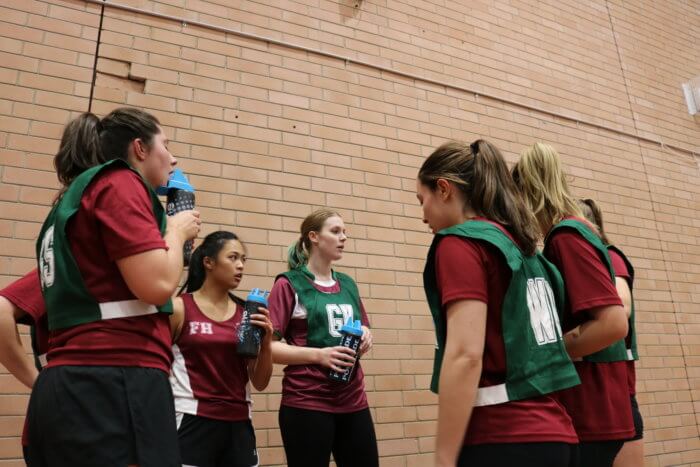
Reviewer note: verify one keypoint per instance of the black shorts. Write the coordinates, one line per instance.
(205, 442)
(637, 418)
(546, 454)
(85, 416)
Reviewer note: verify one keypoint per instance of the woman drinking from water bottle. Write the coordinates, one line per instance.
(210, 381)
(309, 304)
(495, 303)
(109, 262)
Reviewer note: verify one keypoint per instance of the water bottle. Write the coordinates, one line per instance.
(179, 197)
(249, 335)
(351, 336)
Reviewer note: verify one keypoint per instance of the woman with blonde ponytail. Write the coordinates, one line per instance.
(594, 319)
(308, 306)
(494, 299)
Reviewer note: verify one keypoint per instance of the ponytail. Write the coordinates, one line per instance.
(80, 149)
(209, 248)
(195, 273)
(480, 173)
(591, 211)
(296, 256)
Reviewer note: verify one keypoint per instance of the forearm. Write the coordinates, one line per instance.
(286, 354)
(459, 381)
(598, 333)
(262, 367)
(172, 269)
(12, 353)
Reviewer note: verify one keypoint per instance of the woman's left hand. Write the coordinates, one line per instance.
(261, 319)
(366, 341)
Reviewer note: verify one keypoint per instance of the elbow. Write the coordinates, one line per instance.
(621, 328)
(465, 359)
(261, 385)
(617, 325)
(156, 293)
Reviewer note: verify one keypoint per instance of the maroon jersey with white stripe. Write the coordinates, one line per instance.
(208, 377)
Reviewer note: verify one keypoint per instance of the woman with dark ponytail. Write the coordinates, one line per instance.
(632, 452)
(495, 303)
(21, 301)
(210, 381)
(108, 262)
(308, 305)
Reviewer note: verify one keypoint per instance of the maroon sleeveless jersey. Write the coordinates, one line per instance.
(208, 378)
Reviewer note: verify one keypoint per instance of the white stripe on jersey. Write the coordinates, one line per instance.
(185, 401)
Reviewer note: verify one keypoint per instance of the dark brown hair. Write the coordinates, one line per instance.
(88, 141)
(591, 211)
(480, 172)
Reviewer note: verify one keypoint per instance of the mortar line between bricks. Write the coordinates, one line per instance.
(97, 55)
(653, 210)
(494, 97)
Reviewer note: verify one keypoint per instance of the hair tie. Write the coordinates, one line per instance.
(475, 147)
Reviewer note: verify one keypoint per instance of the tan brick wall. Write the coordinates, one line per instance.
(269, 133)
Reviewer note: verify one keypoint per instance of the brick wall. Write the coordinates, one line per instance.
(270, 132)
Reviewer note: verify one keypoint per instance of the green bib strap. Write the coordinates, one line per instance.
(68, 302)
(537, 362)
(631, 339)
(617, 351)
(326, 312)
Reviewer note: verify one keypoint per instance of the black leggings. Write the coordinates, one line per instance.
(520, 454)
(309, 437)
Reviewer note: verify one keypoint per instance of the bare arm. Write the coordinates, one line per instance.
(12, 353)
(623, 290)
(336, 358)
(177, 318)
(154, 275)
(608, 325)
(459, 377)
(260, 368)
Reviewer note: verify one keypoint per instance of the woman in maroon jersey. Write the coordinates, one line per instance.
(308, 305)
(21, 302)
(104, 398)
(479, 279)
(594, 319)
(209, 380)
(632, 453)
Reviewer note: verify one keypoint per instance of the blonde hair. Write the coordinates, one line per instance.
(542, 183)
(299, 251)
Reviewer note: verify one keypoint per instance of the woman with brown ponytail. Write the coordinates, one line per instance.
(109, 261)
(594, 319)
(308, 306)
(495, 303)
(632, 452)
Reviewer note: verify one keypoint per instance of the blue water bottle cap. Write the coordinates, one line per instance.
(178, 180)
(352, 327)
(259, 296)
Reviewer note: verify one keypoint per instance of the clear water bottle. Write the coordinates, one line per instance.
(179, 197)
(351, 333)
(249, 335)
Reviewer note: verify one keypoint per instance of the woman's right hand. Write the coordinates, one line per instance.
(186, 223)
(337, 358)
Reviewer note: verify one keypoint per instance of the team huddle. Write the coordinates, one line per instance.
(534, 363)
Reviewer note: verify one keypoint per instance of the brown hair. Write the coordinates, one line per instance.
(542, 182)
(88, 141)
(298, 254)
(480, 172)
(594, 215)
